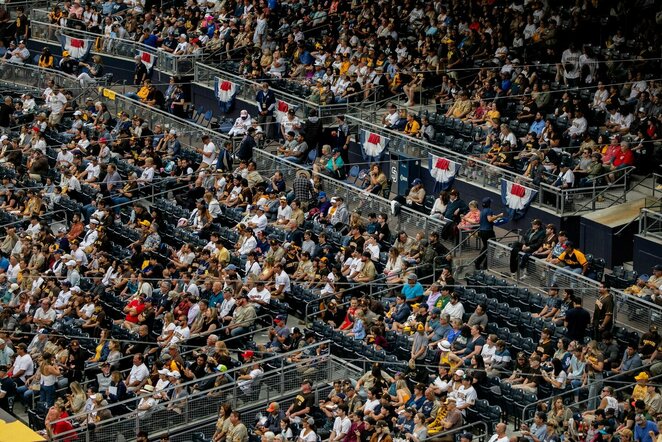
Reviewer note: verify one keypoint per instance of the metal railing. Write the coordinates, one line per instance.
(583, 404)
(186, 354)
(490, 176)
(188, 132)
(128, 49)
(629, 311)
(36, 77)
(247, 89)
(409, 219)
(530, 409)
(12, 6)
(279, 378)
(650, 223)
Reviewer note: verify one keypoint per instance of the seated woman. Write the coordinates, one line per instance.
(471, 219)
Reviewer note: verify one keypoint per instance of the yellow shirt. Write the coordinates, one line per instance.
(412, 127)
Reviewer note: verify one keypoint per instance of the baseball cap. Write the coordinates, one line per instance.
(416, 182)
(231, 267)
(321, 195)
(273, 407)
(248, 354)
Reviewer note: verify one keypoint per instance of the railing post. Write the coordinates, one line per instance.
(282, 376)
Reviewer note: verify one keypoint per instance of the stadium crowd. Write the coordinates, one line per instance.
(128, 307)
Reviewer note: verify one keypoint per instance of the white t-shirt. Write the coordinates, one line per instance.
(209, 148)
(262, 295)
(454, 311)
(370, 405)
(496, 438)
(283, 279)
(260, 222)
(23, 363)
(181, 333)
(465, 395)
(62, 299)
(342, 425)
(93, 171)
(247, 384)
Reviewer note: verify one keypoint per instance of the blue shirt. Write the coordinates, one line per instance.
(537, 127)
(485, 224)
(151, 41)
(641, 434)
(412, 291)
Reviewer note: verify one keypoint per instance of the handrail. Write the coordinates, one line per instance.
(640, 216)
(567, 391)
(279, 358)
(165, 61)
(452, 431)
(588, 286)
(496, 239)
(643, 224)
(625, 173)
(193, 348)
(205, 75)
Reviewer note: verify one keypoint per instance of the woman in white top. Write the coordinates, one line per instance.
(420, 431)
(557, 377)
(49, 373)
(168, 330)
(308, 432)
(394, 263)
(439, 207)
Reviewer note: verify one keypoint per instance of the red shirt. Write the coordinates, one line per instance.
(64, 426)
(139, 306)
(624, 158)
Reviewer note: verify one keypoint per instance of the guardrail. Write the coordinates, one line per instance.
(529, 410)
(490, 176)
(12, 6)
(36, 77)
(205, 76)
(128, 49)
(185, 355)
(280, 378)
(188, 133)
(409, 219)
(629, 311)
(650, 223)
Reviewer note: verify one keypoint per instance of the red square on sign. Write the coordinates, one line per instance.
(518, 190)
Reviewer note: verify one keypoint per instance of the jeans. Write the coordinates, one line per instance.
(87, 212)
(47, 394)
(594, 390)
(25, 395)
(238, 331)
(116, 201)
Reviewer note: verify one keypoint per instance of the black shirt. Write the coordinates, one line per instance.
(578, 319)
(303, 401)
(68, 65)
(5, 113)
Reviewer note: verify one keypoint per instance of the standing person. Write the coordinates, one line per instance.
(603, 314)
(266, 103)
(486, 230)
